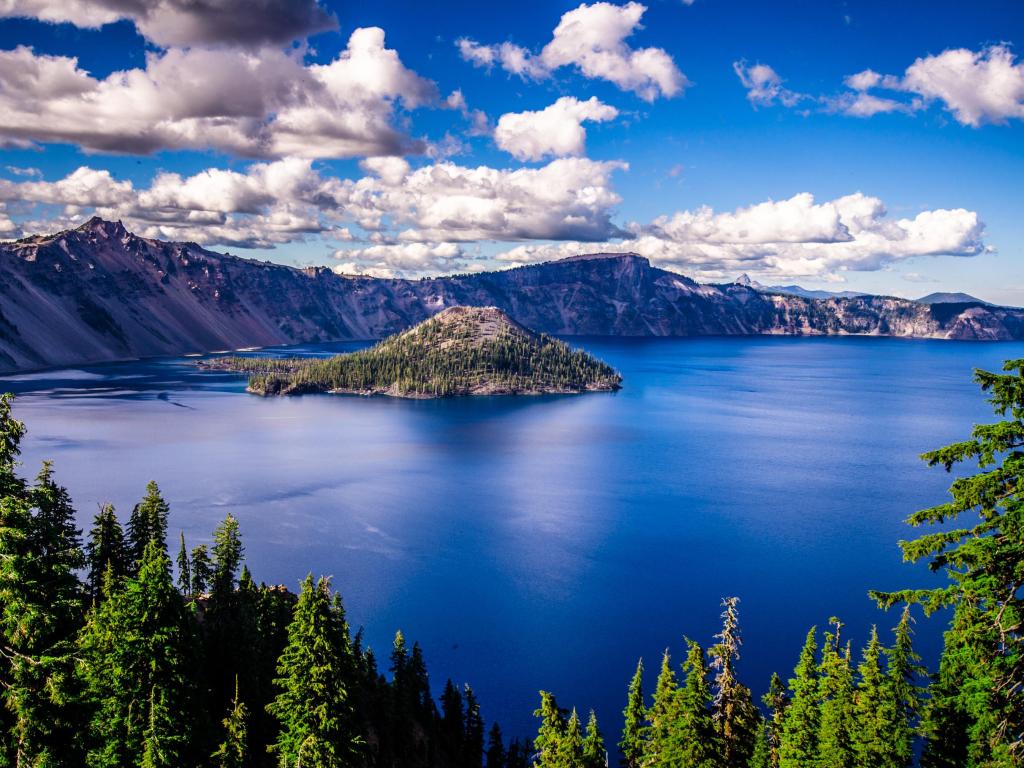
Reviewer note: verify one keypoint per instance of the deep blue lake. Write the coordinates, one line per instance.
(547, 542)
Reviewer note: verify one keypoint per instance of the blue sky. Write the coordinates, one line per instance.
(747, 147)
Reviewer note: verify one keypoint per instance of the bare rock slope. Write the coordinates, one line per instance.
(100, 293)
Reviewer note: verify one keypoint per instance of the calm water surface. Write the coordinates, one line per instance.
(547, 542)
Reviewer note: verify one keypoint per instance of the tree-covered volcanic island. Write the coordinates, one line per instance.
(459, 351)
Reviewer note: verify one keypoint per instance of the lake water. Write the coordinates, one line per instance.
(547, 542)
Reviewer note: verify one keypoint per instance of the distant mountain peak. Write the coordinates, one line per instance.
(943, 297)
(622, 255)
(100, 226)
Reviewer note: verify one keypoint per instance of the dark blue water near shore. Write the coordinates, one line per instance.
(547, 542)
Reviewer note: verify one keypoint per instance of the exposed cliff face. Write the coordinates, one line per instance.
(100, 293)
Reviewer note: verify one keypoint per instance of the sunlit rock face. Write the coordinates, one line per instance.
(99, 293)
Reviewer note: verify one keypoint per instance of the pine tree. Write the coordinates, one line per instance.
(699, 740)
(949, 719)
(903, 670)
(570, 747)
(163, 742)
(41, 609)
(227, 558)
(661, 737)
(452, 721)
(777, 702)
(635, 714)
(548, 744)
(473, 751)
(875, 712)
(135, 658)
(148, 522)
(799, 746)
(232, 752)
(202, 570)
(983, 565)
(184, 569)
(495, 748)
(594, 753)
(835, 688)
(106, 548)
(313, 706)
(735, 715)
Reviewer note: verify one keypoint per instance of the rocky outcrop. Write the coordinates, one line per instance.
(100, 293)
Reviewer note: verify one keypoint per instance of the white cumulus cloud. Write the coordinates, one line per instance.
(591, 39)
(556, 130)
(261, 103)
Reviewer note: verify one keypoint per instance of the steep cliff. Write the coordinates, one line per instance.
(100, 293)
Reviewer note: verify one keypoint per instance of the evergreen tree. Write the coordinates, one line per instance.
(799, 746)
(735, 715)
(835, 689)
(661, 737)
(700, 745)
(875, 712)
(227, 558)
(594, 753)
(134, 666)
(106, 549)
(148, 522)
(983, 565)
(635, 714)
(163, 742)
(453, 726)
(548, 744)
(313, 707)
(202, 570)
(184, 569)
(232, 752)
(41, 611)
(949, 720)
(473, 751)
(777, 701)
(762, 754)
(903, 670)
(495, 748)
(570, 747)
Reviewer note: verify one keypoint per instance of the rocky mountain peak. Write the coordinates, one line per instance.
(103, 228)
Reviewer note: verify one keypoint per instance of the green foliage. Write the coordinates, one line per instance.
(777, 701)
(313, 706)
(979, 698)
(835, 689)
(699, 742)
(799, 745)
(134, 668)
(441, 357)
(736, 718)
(232, 751)
(661, 737)
(634, 715)
(148, 522)
(106, 550)
(594, 753)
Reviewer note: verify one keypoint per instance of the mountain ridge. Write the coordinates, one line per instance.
(99, 293)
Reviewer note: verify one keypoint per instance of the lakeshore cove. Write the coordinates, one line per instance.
(528, 542)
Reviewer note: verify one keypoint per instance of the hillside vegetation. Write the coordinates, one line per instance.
(460, 351)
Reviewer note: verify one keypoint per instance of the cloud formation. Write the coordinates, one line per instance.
(976, 87)
(261, 103)
(290, 200)
(187, 22)
(591, 39)
(797, 237)
(555, 131)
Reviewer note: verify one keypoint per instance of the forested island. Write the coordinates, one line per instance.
(112, 655)
(459, 351)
